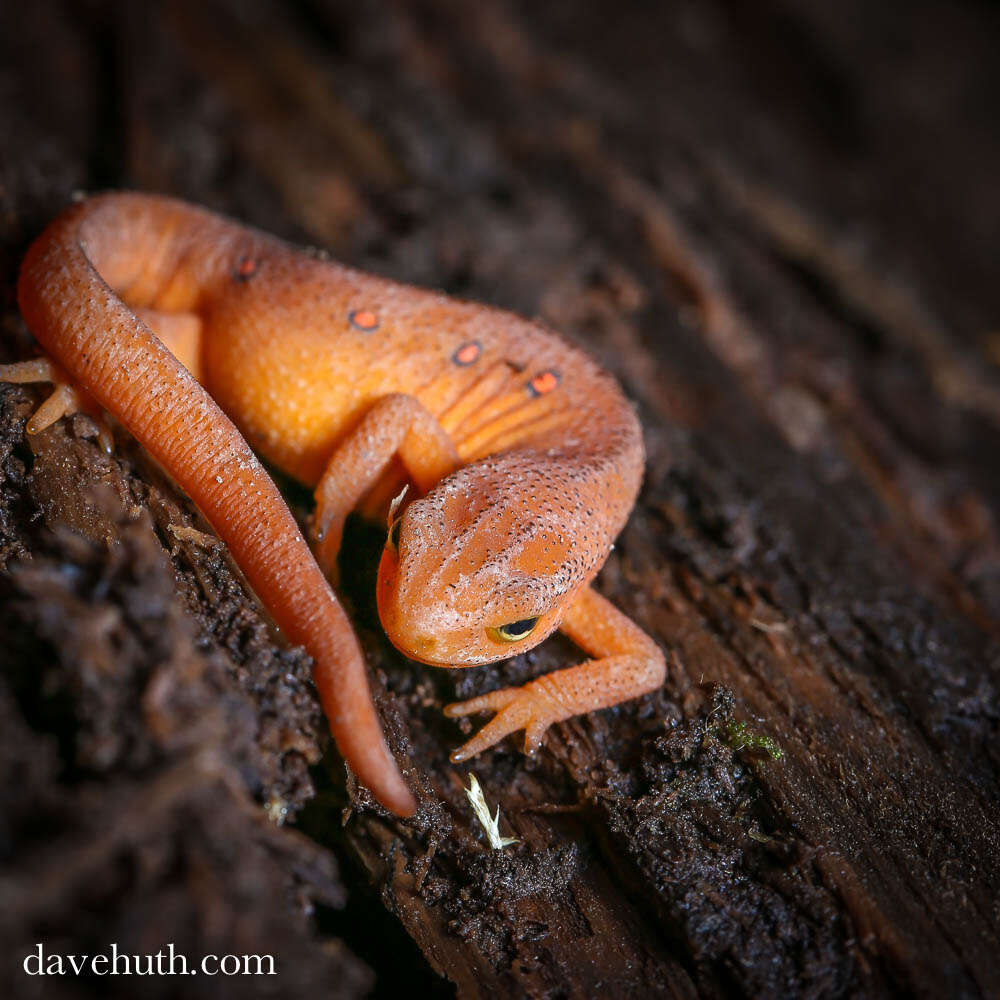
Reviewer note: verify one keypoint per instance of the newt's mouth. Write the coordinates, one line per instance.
(420, 648)
(423, 654)
(458, 642)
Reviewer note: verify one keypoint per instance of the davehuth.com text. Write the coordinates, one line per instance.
(165, 962)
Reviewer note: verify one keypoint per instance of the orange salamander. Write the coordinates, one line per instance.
(209, 341)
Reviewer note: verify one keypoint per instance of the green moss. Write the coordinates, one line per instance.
(740, 736)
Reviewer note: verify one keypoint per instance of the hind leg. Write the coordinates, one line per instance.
(180, 334)
(65, 400)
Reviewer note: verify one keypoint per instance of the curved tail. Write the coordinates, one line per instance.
(156, 252)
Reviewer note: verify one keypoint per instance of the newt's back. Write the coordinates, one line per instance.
(296, 349)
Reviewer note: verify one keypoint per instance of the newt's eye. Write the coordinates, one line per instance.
(515, 630)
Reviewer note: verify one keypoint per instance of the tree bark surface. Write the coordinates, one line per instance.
(777, 225)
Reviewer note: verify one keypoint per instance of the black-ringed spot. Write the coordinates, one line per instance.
(245, 269)
(363, 319)
(468, 354)
(543, 383)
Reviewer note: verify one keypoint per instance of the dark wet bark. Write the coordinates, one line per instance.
(777, 224)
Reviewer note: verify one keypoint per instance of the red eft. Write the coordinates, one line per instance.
(209, 342)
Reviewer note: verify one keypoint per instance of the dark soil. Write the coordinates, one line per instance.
(777, 224)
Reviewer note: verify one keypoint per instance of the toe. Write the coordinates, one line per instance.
(508, 721)
(493, 701)
(534, 733)
(62, 402)
(35, 370)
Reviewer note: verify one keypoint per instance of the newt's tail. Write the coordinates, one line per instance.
(159, 253)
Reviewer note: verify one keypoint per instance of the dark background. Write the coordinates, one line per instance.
(777, 224)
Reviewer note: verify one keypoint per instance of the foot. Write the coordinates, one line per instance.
(64, 401)
(530, 708)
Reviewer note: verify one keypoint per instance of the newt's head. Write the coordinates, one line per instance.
(485, 565)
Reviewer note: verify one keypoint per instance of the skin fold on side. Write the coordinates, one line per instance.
(210, 342)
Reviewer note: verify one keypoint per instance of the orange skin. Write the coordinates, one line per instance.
(206, 340)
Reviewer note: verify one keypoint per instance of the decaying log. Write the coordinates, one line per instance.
(777, 225)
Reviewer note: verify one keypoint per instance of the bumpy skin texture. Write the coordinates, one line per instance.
(523, 457)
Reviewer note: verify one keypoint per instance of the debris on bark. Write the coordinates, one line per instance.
(776, 225)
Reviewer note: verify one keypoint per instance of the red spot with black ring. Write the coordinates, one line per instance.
(468, 354)
(543, 383)
(245, 269)
(363, 319)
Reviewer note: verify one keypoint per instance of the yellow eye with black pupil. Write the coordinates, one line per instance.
(516, 630)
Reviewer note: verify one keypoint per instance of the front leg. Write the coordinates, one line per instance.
(626, 664)
(396, 425)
